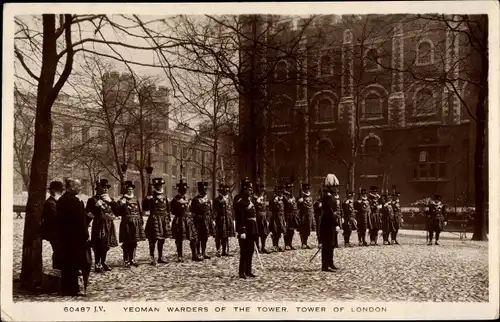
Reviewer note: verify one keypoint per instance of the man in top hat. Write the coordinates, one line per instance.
(49, 221)
(350, 223)
(329, 224)
(103, 237)
(201, 207)
(246, 227)
(158, 223)
(362, 208)
(306, 214)
(131, 226)
(436, 219)
(183, 227)
(224, 223)
(73, 238)
(259, 200)
(374, 222)
(291, 215)
(387, 217)
(398, 218)
(277, 224)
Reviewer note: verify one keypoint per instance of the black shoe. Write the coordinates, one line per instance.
(308, 247)
(280, 249)
(161, 260)
(206, 257)
(327, 270)
(396, 242)
(134, 263)
(436, 243)
(152, 261)
(333, 267)
(429, 244)
(196, 259)
(251, 275)
(106, 267)
(98, 269)
(365, 244)
(265, 251)
(243, 276)
(126, 264)
(292, 248)
(180, 260)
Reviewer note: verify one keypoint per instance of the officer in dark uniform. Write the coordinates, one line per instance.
(398, 218)
(329, 226)
(201, 207)
(436, 219)
(224, 223)
(259, 200)
(362, 208)
(246, 227)
(349, 218)
(291, 216)
(306, 214)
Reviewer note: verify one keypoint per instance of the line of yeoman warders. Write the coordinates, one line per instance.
(66, 221)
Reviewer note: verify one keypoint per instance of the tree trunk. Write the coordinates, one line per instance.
(351, 173)
(32, 270)
(144, 184)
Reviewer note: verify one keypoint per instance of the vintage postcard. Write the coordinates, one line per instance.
(250, 161)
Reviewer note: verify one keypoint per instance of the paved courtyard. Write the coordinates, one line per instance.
(457, 270)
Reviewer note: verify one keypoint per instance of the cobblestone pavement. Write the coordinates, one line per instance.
(456, 270)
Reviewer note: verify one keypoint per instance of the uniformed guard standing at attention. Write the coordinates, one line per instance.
(183, 226)
(398, 218)
(317, 212)
(387, 217)
(224, 224)
(306, 215)
(158, 223)
(329, 224)
(246, 227)
(291, 216)
(131, 225)
(103, 235)
(436, 219)
(349, 218)
(362, 208)
(374, 222)
(277, 224)
(201, 208)
(262, 223)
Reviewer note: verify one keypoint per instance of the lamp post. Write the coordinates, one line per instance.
(124, 171)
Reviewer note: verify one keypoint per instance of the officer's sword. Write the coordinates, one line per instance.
(258, 256)
(319, 248)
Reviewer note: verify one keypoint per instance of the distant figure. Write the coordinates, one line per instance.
(291, 216)
(103, 234)
(201, 208)
(387, 217)
(259, 200)
(224, 223)
(306, 215)
(277, 224)
(398, 219)
(436, 218)
(131, 225)
(374, 222)
(362, 208)
(73, 237)
(50, 230)
(350, 223)
(246, 227)
(158, 224)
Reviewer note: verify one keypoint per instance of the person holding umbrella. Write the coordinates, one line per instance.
(330, 222)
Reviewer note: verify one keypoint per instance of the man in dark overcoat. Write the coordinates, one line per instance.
(183, 227)
(224, 223)
(291, 216)
(158, 224)
(277, 224)
(436, 218)
(201, 207)
(49, 221)
(350, 223)
(73, 237)
(306, 215)
(246, 227)
(103, 237)
(329, 225)
(398, 217)
(362, 208)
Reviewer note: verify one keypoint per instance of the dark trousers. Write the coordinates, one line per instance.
(152, 243)
(129, 251)
(202, 245)
(192, 244)
(246, 254)
(347, 236)
(262, 245)
(69, 281)
(217, 242)
(100, 254)
(385, 235)
(373, 235)
(276, 239)
(289, 237)
(304, 236)
(394, 234)
(56, 256)
(362, 236)
(431, 234)
(326, 256)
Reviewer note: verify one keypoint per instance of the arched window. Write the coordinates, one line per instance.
(425, 52)
(281, 71)
(372, 146)
(371, 59)
(325, 65)
(324, 157)
(280, 113)
(372, 106)
(424, 103)
(325, 108)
